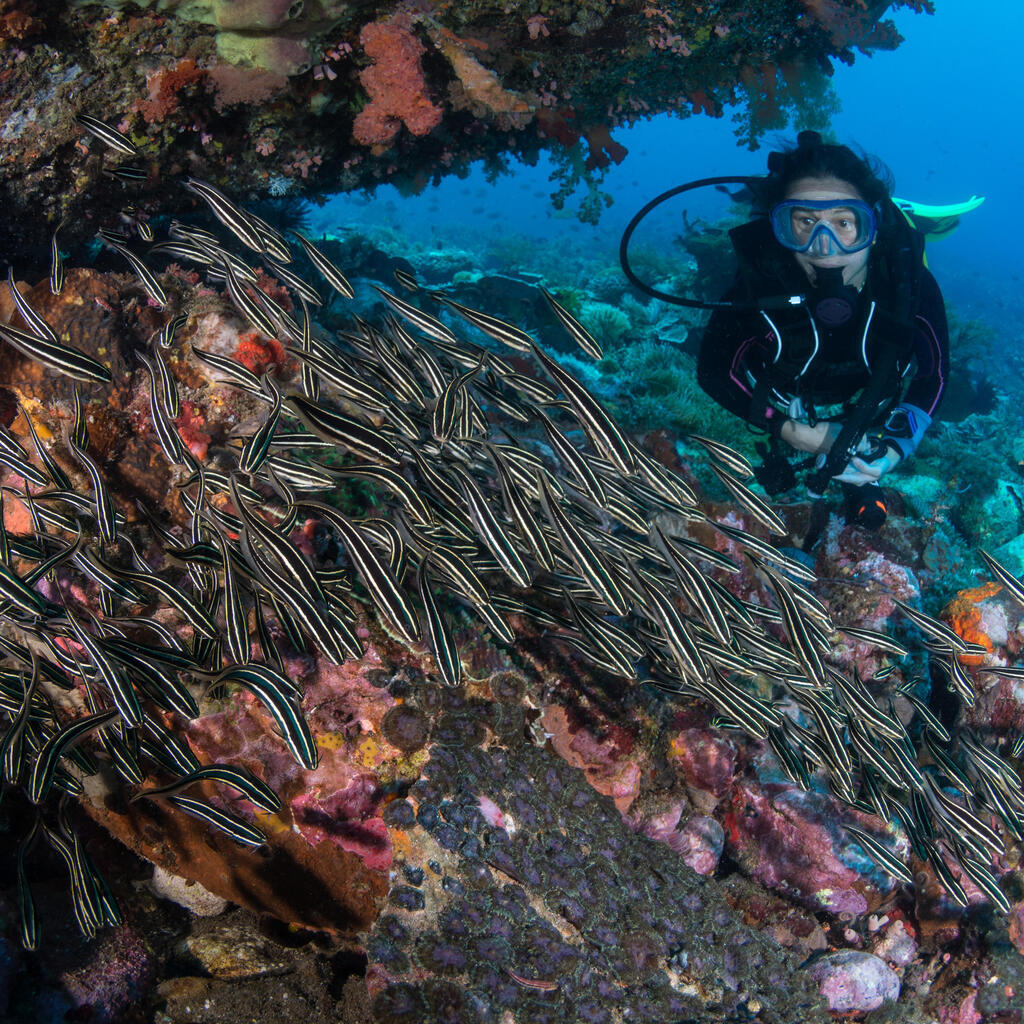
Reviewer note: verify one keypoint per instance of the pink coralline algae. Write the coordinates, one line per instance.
(395, 84)
(103, 987)
(699, 841)
(855, 982)
(787, 839)
(604, 759)
(707, 761)
(897, 946)
(338, 818)
(965, 1013)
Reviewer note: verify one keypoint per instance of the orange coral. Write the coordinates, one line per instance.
(964, 617)
(164, 85)
(258, 354)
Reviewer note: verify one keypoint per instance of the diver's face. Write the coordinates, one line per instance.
(839, 222)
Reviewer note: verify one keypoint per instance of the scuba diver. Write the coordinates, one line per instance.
(853, 376)
(832, 338)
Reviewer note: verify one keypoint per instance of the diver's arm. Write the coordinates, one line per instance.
(908, 421)
(728, 342)
(817, 439)
(931, 352)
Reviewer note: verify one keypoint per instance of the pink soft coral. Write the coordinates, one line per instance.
(395, 84)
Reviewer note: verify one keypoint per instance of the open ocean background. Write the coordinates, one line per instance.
(943, 111)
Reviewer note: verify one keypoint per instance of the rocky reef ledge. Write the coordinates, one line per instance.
(312, 97)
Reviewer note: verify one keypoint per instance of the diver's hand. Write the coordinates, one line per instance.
(859, 472)
(817, 439)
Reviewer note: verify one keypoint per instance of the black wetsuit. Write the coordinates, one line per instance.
(824, 366)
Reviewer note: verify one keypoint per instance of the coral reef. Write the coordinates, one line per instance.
(502, 813)
(223, 81)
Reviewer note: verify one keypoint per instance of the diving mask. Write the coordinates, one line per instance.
(824, 227)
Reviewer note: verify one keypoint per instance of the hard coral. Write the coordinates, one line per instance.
(395, 84)
(788, 840)
(558, 913)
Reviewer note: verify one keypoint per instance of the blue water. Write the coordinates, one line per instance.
(942, 111)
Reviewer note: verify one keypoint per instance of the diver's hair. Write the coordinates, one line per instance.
(810, 157)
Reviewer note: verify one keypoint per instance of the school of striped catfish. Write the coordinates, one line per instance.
(585, 538)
